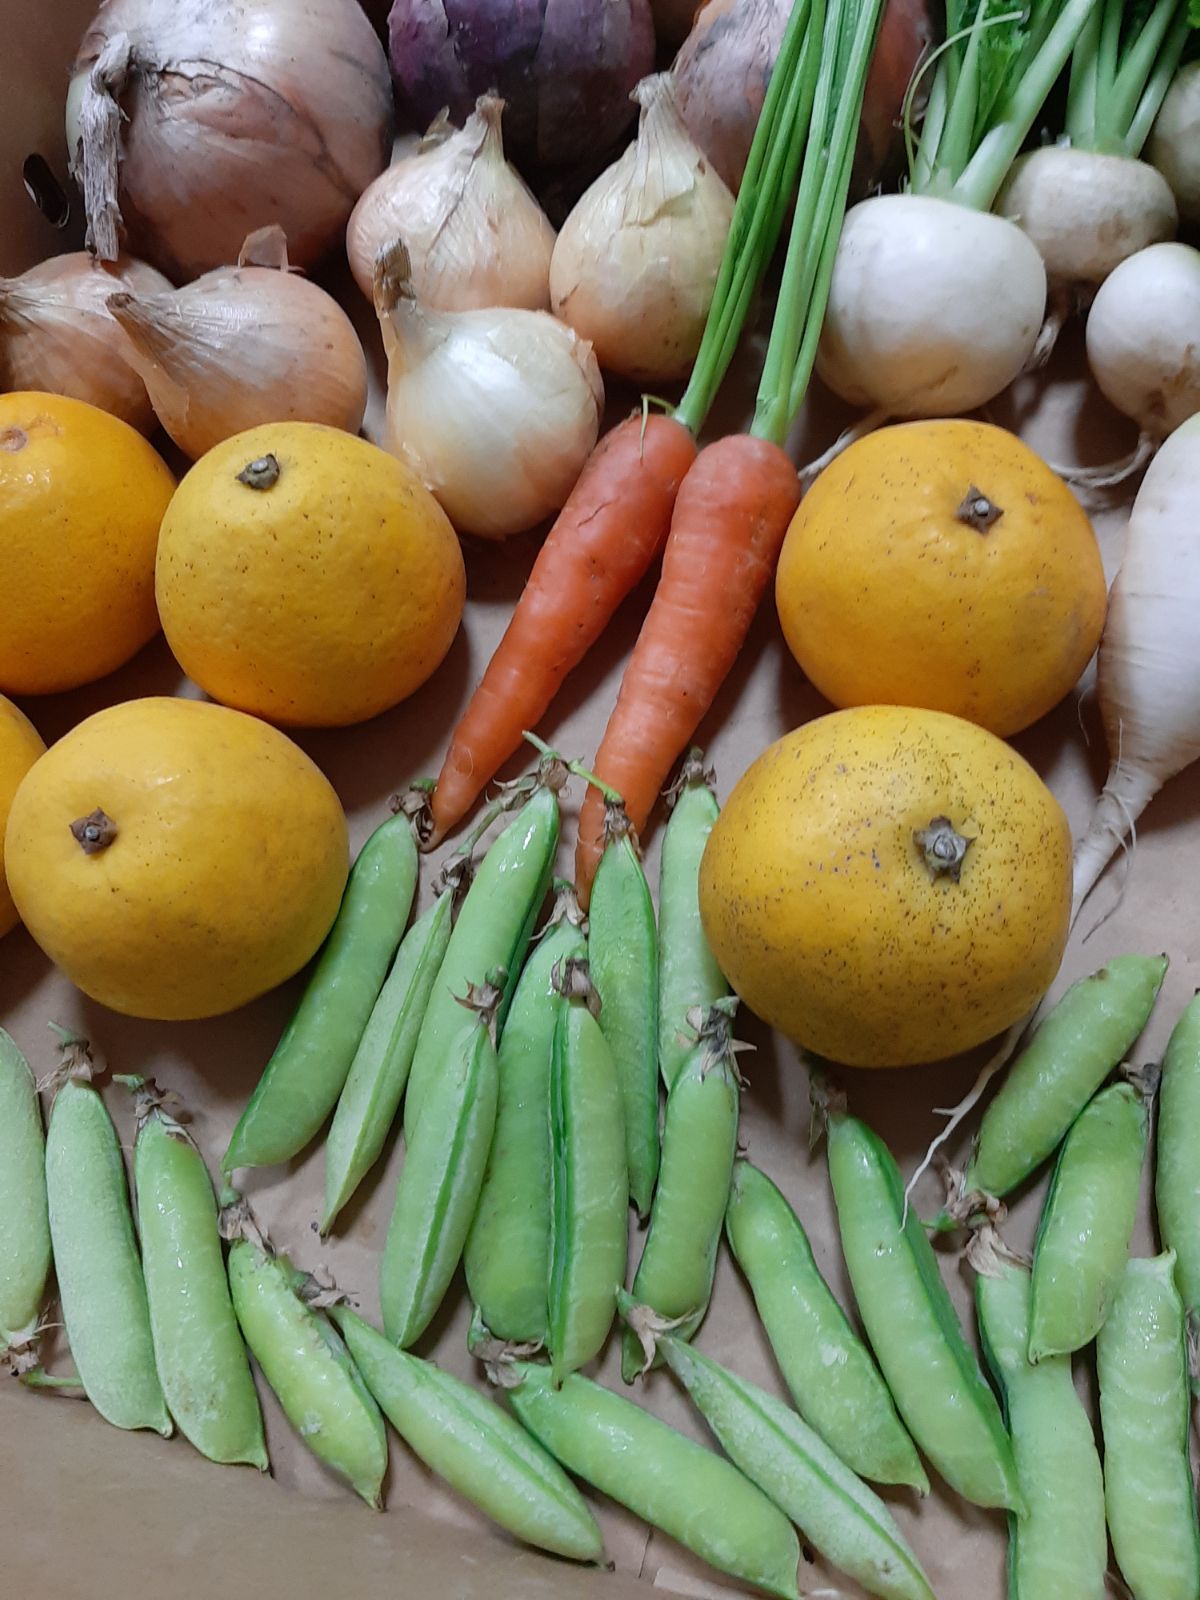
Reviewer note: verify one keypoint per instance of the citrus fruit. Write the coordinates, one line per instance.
(942, 564)
(176, 858)
(888, 886)
(307, 576)
(20, 746)
(81, 498)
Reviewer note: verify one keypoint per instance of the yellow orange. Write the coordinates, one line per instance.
(81, 498)
(20, 746)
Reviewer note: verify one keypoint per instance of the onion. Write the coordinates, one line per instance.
(565, 70)
(242, 346)
(636, 262)
(475, 235)
(724, 66)
(225, 115)
(496, 410)
(56, 333)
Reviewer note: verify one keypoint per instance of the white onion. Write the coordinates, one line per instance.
(242, 346)
(475, 235)
(496, 410)
(636, 261)
(224, 116)
(57, 335)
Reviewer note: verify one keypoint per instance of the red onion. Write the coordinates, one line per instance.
(193, 122)
(565, 68)
(721, 75)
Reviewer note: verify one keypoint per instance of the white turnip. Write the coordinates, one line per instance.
(1174, 145)
(1149, 662)
(1143, 338)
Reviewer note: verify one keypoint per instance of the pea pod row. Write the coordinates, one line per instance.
(1085, 1036)
(589, 1184)
(675, 1274)
(493, 930)
(623, 956)
(198, 1350)
(1087, 1222)
(664, 1478)
(96, 1260)
(910, 1320)
(375, 1083)
(305, 1075)
(689, 978)
(507, 1256)
(474, 1445)
(1141, 1362)
(835, 1511)
(835, 1384)
(302, 1358)
(443, 1171)
(24, 1220)
(1058, 1550)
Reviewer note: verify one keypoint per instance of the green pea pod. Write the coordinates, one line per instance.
(689, 978)
(442, 1174)
(1087, 1223)
(1059, 1550)
(911, 1322)
(507, 1256)
(661, 1476)
(675, 1274)
(1177, 1167)
(494, 927)
(24, 1222)
(834, 1510)
(96, 1261)
(301, 1082)
(201, 1359)
(1087, 1034)
(1141, 1361)
(836, 1385)
(589, 1186)
(623, 955)
(375, 1084)
(475, 1446)
(308, 1368)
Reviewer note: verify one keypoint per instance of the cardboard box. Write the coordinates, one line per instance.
(90, 1511)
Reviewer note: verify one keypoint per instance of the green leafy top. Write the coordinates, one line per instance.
(1121, 67)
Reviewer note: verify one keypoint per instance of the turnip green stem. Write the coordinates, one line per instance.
(1120, 73)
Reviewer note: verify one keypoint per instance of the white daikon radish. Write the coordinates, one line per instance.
(1149, 662)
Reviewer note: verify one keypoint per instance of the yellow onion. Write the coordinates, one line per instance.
(475, 235)
(57, 335)
(242, 346)
(496, 409)
(192, 123)
(637, 259)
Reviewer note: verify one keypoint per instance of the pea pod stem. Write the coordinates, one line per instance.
(764, 1438)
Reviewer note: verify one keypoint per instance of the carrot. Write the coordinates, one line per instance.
(602, 543)
(734, 507)
(730, 517)
(615, 522)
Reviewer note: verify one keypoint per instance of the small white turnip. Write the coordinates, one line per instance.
(1174, 145)
(1087, 212)
(1143, 337)
(1149, 661)
(934, 307)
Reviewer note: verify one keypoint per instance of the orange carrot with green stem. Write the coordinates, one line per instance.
(617, 517)
(734, 506)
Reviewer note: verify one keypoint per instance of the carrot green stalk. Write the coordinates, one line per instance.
(616, 519)
(734, 506)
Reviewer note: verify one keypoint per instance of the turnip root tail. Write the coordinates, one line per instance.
(1127, 793)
